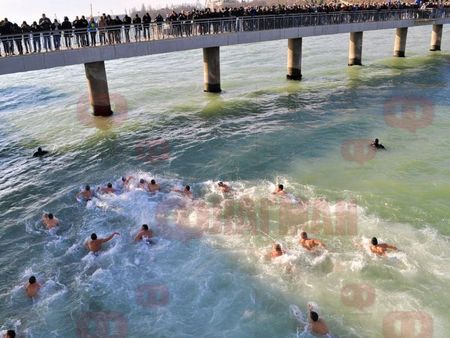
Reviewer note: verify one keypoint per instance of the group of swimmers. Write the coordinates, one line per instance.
(94, 244)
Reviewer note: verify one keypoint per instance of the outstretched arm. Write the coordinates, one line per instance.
(110, 237)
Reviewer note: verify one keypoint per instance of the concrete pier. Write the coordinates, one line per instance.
(98, 88)
(436, 37)
(211, 69)
(355, 49)
(294, 59)
(400, 42)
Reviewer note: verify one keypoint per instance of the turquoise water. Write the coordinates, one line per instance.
(260, 131)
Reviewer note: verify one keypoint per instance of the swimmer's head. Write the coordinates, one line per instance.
(109, 185)
(50, 216)
(87, 187)
(145, 226)
(152, 182)
(304, 235)
(124, 179)
(376, 141)
(187, 188)
(32, 280)
(277, 247)
(141, 181)
(220, 184)
(40, 149)
(314, 316)
(10, 334)
(374, 241)
(280, 187)
(94, 236)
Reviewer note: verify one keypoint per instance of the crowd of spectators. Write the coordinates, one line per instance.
(107, 29)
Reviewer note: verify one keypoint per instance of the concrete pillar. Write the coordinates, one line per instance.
(355, 49)
(211, 69)
(436, 37)
(98, 88)
(294, 59)
(400, 42)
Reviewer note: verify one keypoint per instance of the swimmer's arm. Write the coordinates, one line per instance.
(319, 243)
(138, 236)
(391, 247)
(110, 237)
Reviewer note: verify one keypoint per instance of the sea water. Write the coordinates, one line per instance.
(208, 275)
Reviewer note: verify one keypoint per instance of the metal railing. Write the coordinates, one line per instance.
(81, 38)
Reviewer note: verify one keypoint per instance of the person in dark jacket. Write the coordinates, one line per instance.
(147, 19)
(84, 31)
(127, 24)
(26, 29)
(118, 29)
(66, 27)
(46, 26)
(17, 31)
(6, 29)
(36, 34)
(56, 31)
(137, 27)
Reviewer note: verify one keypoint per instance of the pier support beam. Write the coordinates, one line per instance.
(98, 88)
(211, 69)
(355, 49)
(436, 37)
(400, 42)
(294, 59)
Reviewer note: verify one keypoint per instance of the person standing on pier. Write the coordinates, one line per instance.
(92, 29)
(46, 26)
(147, 19)
(26, 29)
(137, 27)
(56, 31)
(66, 27)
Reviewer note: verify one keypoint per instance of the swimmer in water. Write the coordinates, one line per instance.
(144, 234)
(224, 187)
(50, 221)
(276, 250)
(279, 190)
(309, 243)
(95, 244)
(40, 153)
(125, 181)
(317, 325)
(380, 248)
(86, 194)
(32, 287)
(143, 184)
(153, 186)
(10, 334)
(108, 189)
(185, 192)
(377, 145)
